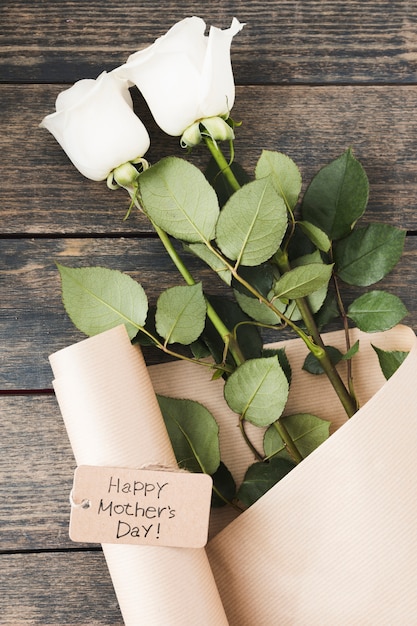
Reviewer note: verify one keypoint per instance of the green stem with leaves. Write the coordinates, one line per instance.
(223, 368)
(314, 341)
(347, 400)
(346, 331)
(222, 163)
(226, 501)
(248, 442)
(288, 441)
(227, 337)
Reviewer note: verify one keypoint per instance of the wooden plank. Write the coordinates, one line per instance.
(322, 41)
(36, 469)
(43, 193)
(33, 323)
(57, 589)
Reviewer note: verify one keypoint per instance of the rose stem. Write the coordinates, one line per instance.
(222, 163)
(348, 402)
(217, 322)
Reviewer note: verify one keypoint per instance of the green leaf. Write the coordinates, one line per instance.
(181, 313)
(274, 446)
(316, 235)
(219, 182)
(263, 314)
(306, 430)
(231, 314)
(376, 311)
(205, 254)
(224, 486)
(258, 391)
(259, 276)
(257, 310)
(368, 254)
(299, 244)
(194, 434)
(282, 360)
(178, 198)
(315, 299)
(149, 337)
(327, 312)
(303, 281)
(351, 352)
(312, 364)
(390, 360)
(199, 349)
(261, 477)
(252, 224)
(337, 196)
(97, 299)
(284, 174)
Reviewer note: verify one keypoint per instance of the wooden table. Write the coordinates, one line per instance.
(312, 79)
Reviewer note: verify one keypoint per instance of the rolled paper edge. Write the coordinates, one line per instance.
(317, 564)
(101, 400)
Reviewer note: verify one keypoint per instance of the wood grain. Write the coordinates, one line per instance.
(315, 42)
(57, 589)
(36, 469)
(43, 193)
(33, 320)
(34, 323)
(313, 78)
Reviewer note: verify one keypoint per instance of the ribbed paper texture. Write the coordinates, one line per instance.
(113, 419)
(333, 543)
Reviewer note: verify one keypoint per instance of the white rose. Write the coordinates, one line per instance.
(96, 126)
(184, 75)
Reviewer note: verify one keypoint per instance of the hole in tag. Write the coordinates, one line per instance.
(84, 504)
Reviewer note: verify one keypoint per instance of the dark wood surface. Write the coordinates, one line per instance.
(312, 79)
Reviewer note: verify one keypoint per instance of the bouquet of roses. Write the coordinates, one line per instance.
(284, 255)
(317, 546)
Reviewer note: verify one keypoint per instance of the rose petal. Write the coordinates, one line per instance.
(96, 126)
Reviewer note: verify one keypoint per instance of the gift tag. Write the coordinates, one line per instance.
(140, 506)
